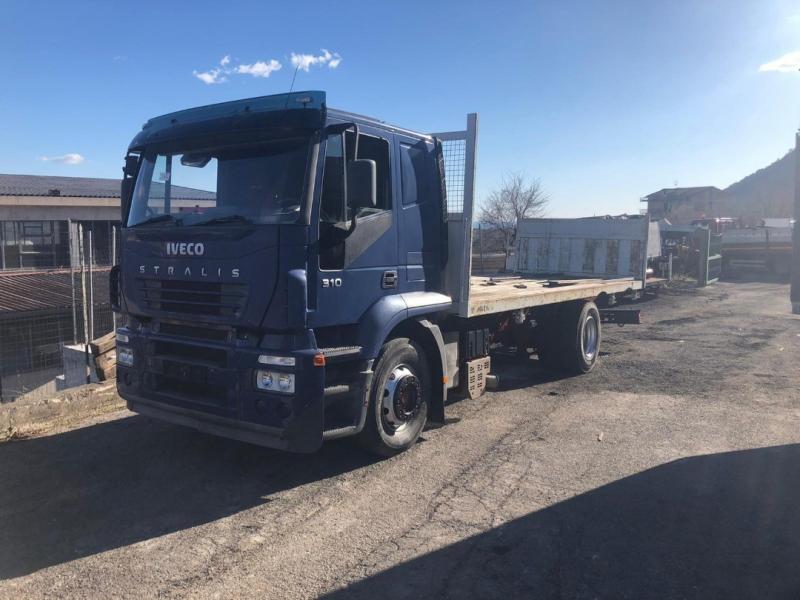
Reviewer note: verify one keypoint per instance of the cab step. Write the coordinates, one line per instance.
(341, 353)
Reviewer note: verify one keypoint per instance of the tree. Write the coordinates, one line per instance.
(517, 198)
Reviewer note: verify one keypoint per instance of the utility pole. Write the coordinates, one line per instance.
(795, 291)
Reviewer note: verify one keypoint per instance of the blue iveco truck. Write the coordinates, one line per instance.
(290, 274)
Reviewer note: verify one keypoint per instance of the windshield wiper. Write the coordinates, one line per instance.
(159, 219)
(225, 219)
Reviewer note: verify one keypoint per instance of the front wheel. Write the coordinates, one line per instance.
(398, 399)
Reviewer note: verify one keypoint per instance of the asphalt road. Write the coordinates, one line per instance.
(672, 471)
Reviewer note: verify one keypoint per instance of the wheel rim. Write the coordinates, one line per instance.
(401, 401)
(590, 338)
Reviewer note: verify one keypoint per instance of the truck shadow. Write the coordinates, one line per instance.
(109, 485)
(714, 526)
(519, 372)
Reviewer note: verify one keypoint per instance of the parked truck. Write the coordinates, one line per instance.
(292, 273)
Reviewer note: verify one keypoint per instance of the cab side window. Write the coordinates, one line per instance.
(377, 149)
(332, 208)
(335, 214)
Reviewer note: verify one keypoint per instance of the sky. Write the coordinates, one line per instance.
(603, 102)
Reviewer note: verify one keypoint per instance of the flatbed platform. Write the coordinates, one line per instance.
(489, 295)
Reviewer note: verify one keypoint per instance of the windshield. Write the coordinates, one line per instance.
(257, 183)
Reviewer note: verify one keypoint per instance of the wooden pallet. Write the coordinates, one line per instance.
(104, 353)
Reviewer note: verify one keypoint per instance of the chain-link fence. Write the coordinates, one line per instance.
(47, 314)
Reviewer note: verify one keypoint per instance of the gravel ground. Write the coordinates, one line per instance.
(672, 471)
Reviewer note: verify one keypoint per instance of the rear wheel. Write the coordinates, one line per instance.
(572, 339)
(398, 399)
(582, 336)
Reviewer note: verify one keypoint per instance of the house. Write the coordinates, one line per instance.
(683, 205)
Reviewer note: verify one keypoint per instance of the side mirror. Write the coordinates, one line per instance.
(126, 186)
(131, 164)
(361, 184)
(126, 190)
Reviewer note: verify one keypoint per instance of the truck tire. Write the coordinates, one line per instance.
(581, 336)
(398, 400)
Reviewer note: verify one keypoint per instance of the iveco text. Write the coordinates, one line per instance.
(184, 249)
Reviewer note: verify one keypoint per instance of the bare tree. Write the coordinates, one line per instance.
(517, 198)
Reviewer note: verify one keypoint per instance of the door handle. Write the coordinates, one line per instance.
(389, 280)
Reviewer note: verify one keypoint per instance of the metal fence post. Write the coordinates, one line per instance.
(91, 287)
(71, 242)
(795, 289)
(113, 263)
(480, 244)
(83, 299)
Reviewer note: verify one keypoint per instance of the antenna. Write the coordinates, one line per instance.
(291, 87)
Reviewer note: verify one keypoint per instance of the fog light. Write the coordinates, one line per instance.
(264, 380)
(286, 382)
(275, 382)
(281, 361)
(125, 356)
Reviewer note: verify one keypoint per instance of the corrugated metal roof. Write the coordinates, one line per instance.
(23, 291)
(79, 187)
(43, 185)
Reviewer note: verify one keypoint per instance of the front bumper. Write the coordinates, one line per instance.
(211, 387)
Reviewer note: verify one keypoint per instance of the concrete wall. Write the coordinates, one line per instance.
(58, 208)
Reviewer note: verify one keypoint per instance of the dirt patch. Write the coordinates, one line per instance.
(66, 409)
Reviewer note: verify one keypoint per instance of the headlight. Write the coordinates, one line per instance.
(272, 381)
(282, 361)
(122, 338)
(125, 356)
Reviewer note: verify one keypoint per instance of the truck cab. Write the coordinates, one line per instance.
(271, 248)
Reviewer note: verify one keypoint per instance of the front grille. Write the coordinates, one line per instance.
(189, 354)
(193, 297)
(194, 331)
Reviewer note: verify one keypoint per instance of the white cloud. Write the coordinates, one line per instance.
(211, 76)
(265, 68)
(259, 68)
(65, 159)
(305, 61)
(787, 63)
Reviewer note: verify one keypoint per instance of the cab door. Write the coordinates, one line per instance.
(420, 216)
(356, 258)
